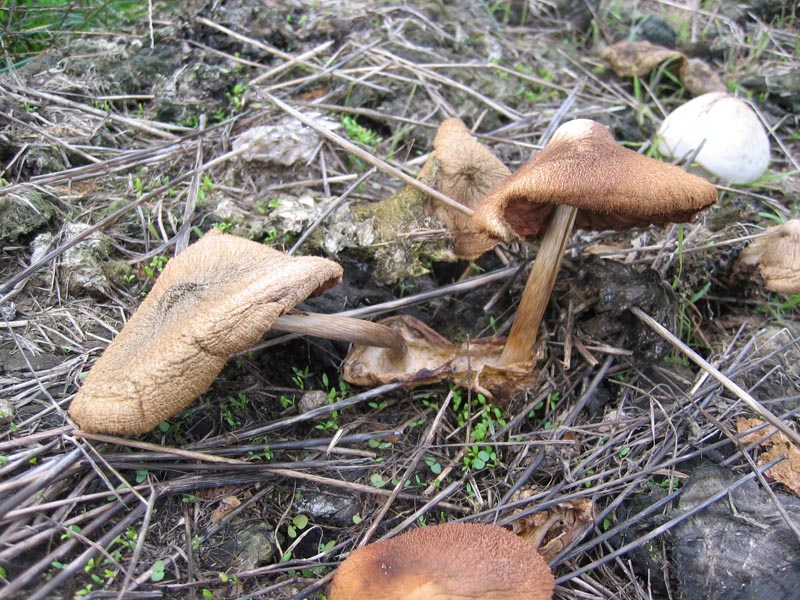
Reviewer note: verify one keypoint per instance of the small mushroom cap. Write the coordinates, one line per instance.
(777, 257)
(447, 562)
(612, 187)
(216, 298)
(465, 170)
(736, 148)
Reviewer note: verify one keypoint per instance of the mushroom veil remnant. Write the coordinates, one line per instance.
(215, 299)
(455, 561)
(581, 178)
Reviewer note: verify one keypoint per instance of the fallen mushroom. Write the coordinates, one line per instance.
(581, 178)
(463, 169)
(776, 257)
(215, 299)
(735, 146)
(453, 561)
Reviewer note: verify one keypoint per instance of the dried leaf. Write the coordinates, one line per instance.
(226, 505)
(553, 529)
(699, 78)
(637, 58)
(787, 471)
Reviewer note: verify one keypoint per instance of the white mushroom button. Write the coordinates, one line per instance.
(736, 147)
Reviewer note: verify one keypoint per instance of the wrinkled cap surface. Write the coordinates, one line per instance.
(612, 187)
(736, 147)
(216, 298)
(454, 561)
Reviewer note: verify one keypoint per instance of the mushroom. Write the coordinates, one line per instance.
(215, 299)
(583, 178)
(453, 561)
(776, 255)
(404, 231)
(463, 169)
(735, 145)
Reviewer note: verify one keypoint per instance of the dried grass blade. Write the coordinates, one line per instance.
(740, 393)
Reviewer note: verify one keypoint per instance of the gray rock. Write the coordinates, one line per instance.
(739, 548)
(23, 212)
(6, 411)
(655, 30)
(255, 546)
(319, 506)
(311, 400)
(244, 546)
(292, 214)
(783, 87)
(87, 266)
(287, 143)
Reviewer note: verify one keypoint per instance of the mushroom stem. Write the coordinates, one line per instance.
(346, 329)
(522, 337)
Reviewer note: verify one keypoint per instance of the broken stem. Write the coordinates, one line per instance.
(522, 337)
(346, 329)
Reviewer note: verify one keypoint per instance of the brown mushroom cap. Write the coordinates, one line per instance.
(464, 169)
(611, 186)
(777, 257)
(467, 169)
(216, 298)
(445, 562)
